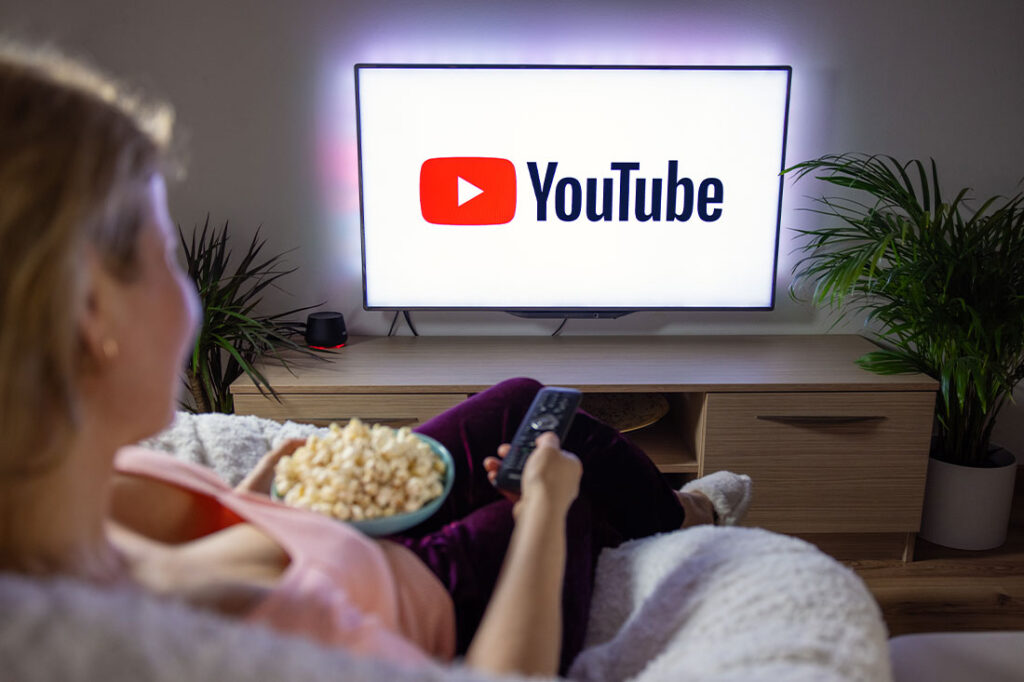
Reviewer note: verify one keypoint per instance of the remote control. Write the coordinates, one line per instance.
(552, 409)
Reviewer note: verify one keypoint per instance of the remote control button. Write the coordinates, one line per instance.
(545, 422)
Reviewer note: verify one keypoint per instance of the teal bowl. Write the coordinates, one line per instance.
(389, 525)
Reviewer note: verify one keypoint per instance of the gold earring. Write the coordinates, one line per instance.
(110, 348)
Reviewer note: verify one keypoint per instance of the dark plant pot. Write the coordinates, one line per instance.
(969, 507)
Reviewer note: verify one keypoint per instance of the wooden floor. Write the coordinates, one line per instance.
(953, 590)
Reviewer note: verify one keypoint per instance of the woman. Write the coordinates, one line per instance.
(97, 317)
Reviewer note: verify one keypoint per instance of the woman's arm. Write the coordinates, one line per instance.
(522, 628)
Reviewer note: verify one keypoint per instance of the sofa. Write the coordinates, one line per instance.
(702, 604)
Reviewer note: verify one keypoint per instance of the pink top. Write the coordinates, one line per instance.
(341, 587)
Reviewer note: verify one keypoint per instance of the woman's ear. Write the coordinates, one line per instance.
(97, 328)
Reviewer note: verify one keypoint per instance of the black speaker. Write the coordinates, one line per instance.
(326, 330)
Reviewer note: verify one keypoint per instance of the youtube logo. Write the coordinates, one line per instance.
(467, 190)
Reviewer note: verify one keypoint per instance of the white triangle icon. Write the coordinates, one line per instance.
(467, 190)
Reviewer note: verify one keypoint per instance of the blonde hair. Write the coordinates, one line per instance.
(76, 152)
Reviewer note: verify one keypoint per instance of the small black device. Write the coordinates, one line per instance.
(552, 409)
(326, 330)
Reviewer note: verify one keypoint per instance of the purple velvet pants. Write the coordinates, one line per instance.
(622, 496)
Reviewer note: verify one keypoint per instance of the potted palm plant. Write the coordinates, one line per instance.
(942, 287)
(233, 336)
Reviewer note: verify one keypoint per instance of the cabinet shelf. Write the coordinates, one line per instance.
(666, 446)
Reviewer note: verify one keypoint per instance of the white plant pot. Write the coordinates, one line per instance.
(968, 507)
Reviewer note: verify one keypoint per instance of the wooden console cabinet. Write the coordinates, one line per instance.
(838, 454)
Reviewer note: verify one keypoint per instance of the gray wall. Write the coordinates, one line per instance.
(263, 92)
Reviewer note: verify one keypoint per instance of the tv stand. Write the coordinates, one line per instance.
(838, 454)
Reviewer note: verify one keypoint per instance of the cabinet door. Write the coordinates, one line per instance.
(825, 462)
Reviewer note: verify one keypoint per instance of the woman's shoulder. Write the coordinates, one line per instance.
(140, 461)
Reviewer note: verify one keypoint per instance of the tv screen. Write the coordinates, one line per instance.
(570, 189)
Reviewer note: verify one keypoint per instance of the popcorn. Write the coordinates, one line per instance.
(359, 472)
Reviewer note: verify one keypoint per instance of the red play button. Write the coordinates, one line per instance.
(467, 190)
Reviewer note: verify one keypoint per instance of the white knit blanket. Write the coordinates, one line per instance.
(706, 604)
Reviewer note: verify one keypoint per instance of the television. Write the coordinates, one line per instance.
(577, 191)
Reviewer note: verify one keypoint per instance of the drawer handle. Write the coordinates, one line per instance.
(809, 419)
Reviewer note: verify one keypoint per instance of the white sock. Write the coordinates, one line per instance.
(729, 494)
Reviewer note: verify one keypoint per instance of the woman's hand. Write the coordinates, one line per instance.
(551, 475)
(521, 631)
(492, 464)
(262, 475)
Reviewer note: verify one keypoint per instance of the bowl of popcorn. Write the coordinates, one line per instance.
(379, 479)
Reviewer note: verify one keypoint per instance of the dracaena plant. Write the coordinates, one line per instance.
(233, 337)
(942, 285)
